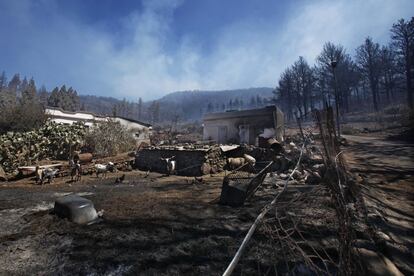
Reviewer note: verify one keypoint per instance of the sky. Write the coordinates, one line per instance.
(149, 48)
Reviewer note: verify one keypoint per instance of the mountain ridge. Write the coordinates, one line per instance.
(189, 105)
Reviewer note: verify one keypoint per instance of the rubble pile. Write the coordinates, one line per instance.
(52, 141)
(258, 153)
(310, 170)
(214, 160)
(275, 167)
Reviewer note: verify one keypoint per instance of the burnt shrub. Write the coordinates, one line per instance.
(109, 138)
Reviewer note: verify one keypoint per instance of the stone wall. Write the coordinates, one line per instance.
(189, 162)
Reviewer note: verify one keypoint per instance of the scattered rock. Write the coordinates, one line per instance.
(206, 168)
(250, 159)
(283, 176)
(318, 168)
(297, 175)
(317, 158)
(312, 178)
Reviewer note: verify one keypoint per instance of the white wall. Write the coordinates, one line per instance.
(74, 115)
(140, 131)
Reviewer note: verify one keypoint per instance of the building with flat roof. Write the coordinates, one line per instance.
(245, 126)
(140, 130)
(61, 116)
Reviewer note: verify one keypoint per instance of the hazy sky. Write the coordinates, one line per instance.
(148, 48)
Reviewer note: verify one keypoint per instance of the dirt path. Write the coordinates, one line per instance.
(385, 170)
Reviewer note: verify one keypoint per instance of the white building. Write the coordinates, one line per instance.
(140, 130)
(66, 117)
(245, 126)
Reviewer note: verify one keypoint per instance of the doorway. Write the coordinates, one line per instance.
(222, 135)
(244, 134)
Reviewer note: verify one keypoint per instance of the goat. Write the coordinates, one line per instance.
(38, 173)
(48, 174)
(103, 169)
(76, 170)
(171, 164)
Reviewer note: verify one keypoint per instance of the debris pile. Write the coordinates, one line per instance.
(52, 141)
(258, 153)
(311, 169)
(309, 172)
(281, 165)
(214, 160)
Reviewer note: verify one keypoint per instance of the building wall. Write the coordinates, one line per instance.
(70, 115)
(211, 130)
(254, 122)
(140, 132)
(62, 117)
(69, 121)
(189, 163)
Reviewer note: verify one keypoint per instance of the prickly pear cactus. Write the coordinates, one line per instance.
(52, 140)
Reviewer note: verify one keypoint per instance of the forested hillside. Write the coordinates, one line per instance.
(183, 105)
(23, 103)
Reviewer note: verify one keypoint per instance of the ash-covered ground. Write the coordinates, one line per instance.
(160, 225)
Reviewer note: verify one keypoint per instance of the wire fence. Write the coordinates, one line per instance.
(311, 227)
(257, 222)
(342, 190)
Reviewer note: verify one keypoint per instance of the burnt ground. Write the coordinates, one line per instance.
(156, 225)
(385, 169)
(172, 225)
